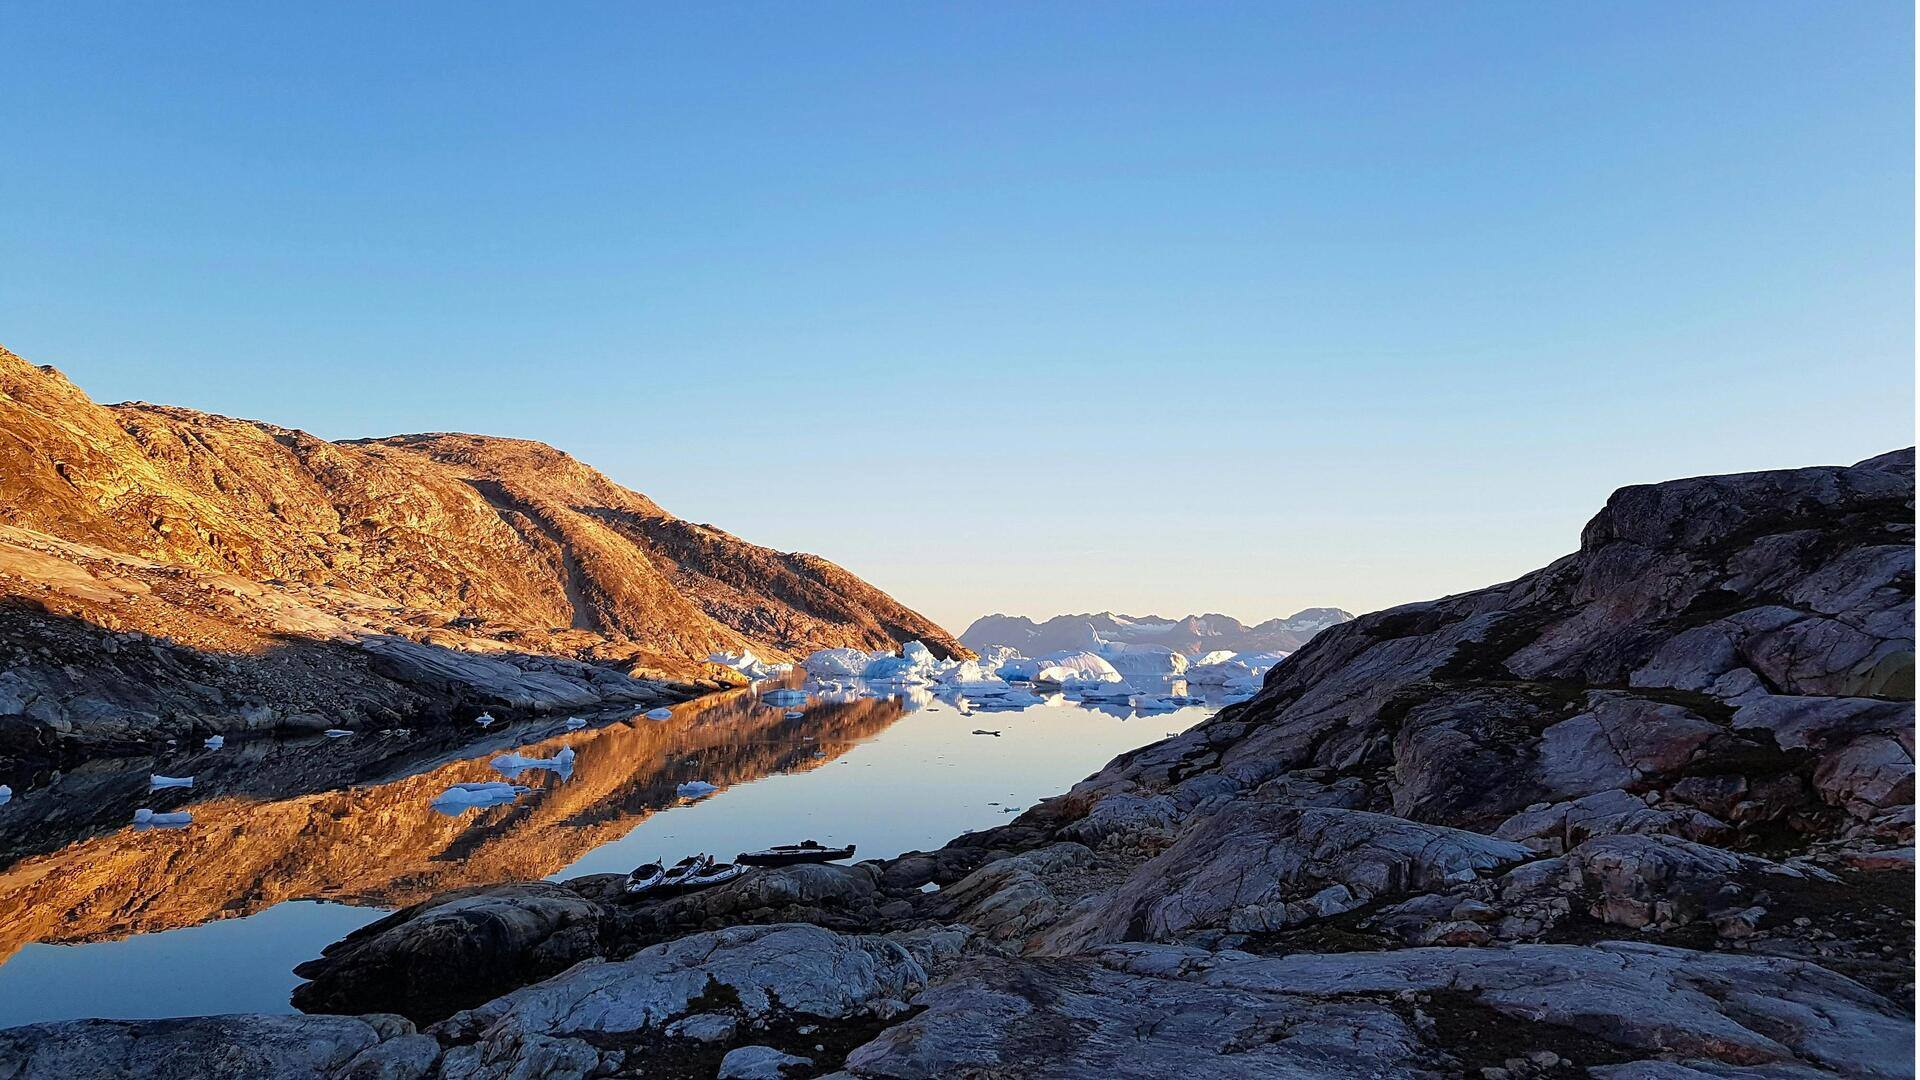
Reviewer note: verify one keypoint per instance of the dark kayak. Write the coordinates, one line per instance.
(807, 851)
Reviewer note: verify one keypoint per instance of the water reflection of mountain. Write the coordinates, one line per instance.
(379, 843)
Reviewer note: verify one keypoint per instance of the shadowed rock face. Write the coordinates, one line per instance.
(1646, 813)
(161, 567)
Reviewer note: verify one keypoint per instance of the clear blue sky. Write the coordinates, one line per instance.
(1028, 307)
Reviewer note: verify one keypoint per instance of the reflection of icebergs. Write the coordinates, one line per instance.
(156, 782)
(515, 764)
(662, 713)
(144, 818)
(784, 697)
(695, 789)
(460, 798)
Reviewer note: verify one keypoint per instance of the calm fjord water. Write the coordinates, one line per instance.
(295, 843)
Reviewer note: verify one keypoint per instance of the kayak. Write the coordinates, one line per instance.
(653, 877)
(711, 874)
(807, 851)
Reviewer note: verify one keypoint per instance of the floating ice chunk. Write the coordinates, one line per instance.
(1020, 668)
(155, 781)
(1103, 691)
(918, 655)
(1153, 703)
(515, 764)
(661, 713)
(795, 714)
(336, 733)
(215, 742)
(992, 656)
(1217, 656)
(460, 798)
(6, 794)
(485, 719)
(695, 789)
(146, 819)
(784, 697)
(574, 723)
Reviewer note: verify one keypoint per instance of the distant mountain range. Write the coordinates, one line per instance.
(1194, 635)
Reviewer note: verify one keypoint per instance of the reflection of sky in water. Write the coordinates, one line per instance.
(896, 786)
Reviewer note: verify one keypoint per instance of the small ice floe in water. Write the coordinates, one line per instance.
(155, 781)
(1152, 703)
(984, 731)
(144, 818)
(215, 742)
(336, 733)
(931, 886)
(784, 697)
(795, 714)
(6, 794)
(694, 789)
(661, 713)
(485, 719)
(460, 798)
(574, 723)
(515, 764)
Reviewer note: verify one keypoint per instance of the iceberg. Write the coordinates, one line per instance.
(749, 665)
(336, 733)
(836, 663)
(155, 781)
(1104, 691)
(460, 798)
(784, 697)
(1235, 668)
(1019, 668)
(515, 764)
(1154, 703)
(144, 818)
(215, 742)
(918, 655)
(1217, 656)
(662, 713)
(1154, 661)
(695, 789)
(6, 794)
(1062, 667)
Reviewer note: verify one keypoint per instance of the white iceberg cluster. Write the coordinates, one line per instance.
(1236, 673)
(749, 665)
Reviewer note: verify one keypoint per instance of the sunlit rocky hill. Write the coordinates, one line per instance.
(165, 572)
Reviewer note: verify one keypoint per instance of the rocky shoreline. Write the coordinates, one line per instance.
(1644, 814)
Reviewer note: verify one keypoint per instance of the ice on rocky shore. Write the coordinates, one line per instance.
(144, 818)
(460, 798)
(515, 764)
(156, 782)
(695, 789)
(662, 713)
(836, 663)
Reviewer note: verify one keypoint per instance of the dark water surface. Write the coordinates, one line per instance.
(294, 843)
